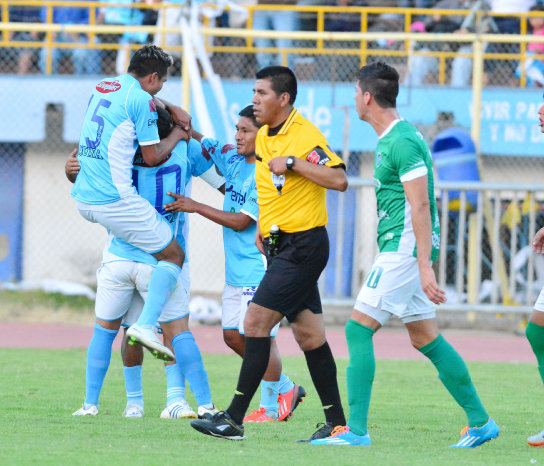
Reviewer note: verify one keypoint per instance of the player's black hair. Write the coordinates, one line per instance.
(164, 122)
(150, 59)
(282, 80)
(248, 113)
(381, 81)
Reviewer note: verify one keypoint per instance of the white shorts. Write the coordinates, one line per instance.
(539, 304)
(393, 287)
(133, 220)
(235, 303)
(122, 289)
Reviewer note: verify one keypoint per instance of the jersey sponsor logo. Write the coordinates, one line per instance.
(235, 196)
(91, 152)
(152, 106)
(152, 122)
(378, 159)
(318, 157)
(106, 87)
(226, 148)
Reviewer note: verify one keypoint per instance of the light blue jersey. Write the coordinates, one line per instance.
(120, 116)
(173, 175)
(244, 264)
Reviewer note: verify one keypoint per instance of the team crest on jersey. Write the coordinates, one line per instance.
(152, 106)
(378, 159)
(318, 157)
(106, 87)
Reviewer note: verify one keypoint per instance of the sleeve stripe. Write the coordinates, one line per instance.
(412, 175)
(245, 212)
(149, 143)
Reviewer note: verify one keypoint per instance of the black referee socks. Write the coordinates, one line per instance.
(323, 371)
(254, 364)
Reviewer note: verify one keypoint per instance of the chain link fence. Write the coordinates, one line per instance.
(45, 81)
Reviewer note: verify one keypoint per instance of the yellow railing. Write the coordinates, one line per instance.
(323, 40)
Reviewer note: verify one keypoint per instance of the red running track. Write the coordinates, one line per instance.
(388, 344)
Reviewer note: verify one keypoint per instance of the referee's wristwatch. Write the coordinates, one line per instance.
(290, 163)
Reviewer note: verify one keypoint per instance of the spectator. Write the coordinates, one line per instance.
(461, 66)
(170, 17)
(123, 16)
(85, 61)
(24, 56)
(420, 65)
(535, 67)
(276, 20)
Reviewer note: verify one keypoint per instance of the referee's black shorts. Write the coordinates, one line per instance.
(290, 283)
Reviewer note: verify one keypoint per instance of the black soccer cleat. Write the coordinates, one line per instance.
(324, 429)
(220, 425)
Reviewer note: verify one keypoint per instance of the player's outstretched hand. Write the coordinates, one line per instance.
(72, 166)
(429, 285)
(538, 242)
(181, 204)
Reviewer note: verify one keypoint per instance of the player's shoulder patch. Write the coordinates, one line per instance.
(318, 156)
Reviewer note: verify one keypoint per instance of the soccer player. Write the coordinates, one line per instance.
(402, 281)
(535, 327)
(295, 166)
(125, 273)
(244, 264)
(122, 114)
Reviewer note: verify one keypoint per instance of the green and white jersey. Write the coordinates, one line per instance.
(402, 155)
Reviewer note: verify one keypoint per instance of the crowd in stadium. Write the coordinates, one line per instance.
(423, 69)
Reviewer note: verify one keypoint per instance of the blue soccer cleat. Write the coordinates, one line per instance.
(471, 437)
(341, 435)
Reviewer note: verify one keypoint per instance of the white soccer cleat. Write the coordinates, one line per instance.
(178, 410)
(133, 411)
(88, 410)
(145, 335)
(207, 411)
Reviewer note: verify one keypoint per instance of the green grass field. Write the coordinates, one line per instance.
(413, 420)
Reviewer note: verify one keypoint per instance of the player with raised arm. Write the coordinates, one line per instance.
(120, 116)
(123, 286)
(401, 281)
(244, 264)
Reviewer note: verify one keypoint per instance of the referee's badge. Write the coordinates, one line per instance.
(278, 181)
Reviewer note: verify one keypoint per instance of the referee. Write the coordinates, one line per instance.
(295, 167)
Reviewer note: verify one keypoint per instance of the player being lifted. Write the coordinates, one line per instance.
(401, 281)
(123, 286)
(122, 115)
(244, 265)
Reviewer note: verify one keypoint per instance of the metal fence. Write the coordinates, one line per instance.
(484, 264)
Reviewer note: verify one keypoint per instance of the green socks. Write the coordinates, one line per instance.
(535, 335)
(360, 374)
(453, 373)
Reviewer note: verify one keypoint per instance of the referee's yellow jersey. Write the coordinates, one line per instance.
(301, 204)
